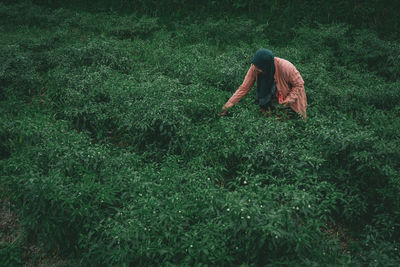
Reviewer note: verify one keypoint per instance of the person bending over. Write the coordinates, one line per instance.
(278, 83)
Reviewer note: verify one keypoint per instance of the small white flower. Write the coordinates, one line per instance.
(191, 246)
(297, 208)
(180, 211)
(276, 237)
(309, 206)
(237, 248)
(245, 182)
(227, 209)
(248, 217)
(241, 209)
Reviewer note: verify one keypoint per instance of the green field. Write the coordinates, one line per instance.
(111, 153)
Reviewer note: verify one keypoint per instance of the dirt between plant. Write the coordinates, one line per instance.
(340, 233)
(11, 232)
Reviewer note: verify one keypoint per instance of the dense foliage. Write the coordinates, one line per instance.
(112, 153)
(380, 15)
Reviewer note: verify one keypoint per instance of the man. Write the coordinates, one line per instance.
(278, 82)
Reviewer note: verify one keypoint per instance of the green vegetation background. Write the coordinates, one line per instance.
(112, 155)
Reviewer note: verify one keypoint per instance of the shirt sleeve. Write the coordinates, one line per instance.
(244, 88)
(297, 84)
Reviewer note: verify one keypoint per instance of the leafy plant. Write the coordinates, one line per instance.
(112, 152)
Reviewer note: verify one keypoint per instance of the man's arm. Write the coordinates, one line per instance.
(297, 83)
(243, 89)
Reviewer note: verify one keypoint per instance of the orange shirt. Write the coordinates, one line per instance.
(289, 86)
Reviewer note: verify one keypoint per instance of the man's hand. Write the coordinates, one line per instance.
(287, 102)
(224, 111)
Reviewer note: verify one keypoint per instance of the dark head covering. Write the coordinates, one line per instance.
(264, 60)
